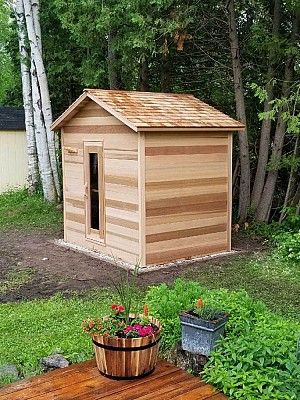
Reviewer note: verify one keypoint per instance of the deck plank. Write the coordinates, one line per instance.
(82, 381)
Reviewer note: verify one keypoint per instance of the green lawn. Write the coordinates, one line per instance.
(18, 210)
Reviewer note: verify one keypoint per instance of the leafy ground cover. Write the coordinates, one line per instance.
(257, 360)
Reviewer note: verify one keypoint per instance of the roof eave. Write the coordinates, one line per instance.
(79, 104)
(190, 129)
(108, 108)
(69, 113)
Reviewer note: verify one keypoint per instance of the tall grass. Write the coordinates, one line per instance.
(18, 209)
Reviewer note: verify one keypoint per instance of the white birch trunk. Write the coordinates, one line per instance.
(41, 140)
(34, 36)
(27, 98)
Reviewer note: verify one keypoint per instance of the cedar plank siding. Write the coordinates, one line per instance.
(167, 175)
(187, 194)
(93, 123)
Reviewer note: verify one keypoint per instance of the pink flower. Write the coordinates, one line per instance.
(128, 329)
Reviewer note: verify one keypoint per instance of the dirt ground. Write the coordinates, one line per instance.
(53, 268)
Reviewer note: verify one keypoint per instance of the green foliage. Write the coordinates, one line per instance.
(125, 289)
(208, 313)
(288, 246)
(7, 78)
(256, 359)
(19, 209)
(35, 329)
(259, 362)
(165, 304)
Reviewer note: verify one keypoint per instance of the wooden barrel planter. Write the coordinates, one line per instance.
(131, 358)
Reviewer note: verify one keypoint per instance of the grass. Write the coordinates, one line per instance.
(19, 210)
(31, 330)
(263, 276)
(13, 280)
(34, 329)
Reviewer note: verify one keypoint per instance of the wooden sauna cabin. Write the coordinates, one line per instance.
(147, 176)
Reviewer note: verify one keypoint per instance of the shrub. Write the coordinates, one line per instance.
(257, 357)
(288, 246)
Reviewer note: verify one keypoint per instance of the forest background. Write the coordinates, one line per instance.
(240, 56)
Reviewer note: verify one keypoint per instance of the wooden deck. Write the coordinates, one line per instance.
(83, 382)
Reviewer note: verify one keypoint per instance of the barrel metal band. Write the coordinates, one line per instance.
(136, 348)
(126, 378)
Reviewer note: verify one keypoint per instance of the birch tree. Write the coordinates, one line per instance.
(36, 97)
(27, 98)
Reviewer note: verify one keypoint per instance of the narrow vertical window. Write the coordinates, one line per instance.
(94, 190)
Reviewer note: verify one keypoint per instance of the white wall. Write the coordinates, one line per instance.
(13, 160)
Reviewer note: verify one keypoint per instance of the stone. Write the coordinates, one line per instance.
(10, 371)
(60, 207)
(54, 361)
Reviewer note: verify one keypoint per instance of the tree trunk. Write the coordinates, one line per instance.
(143, 84)
(265, 135)
(165, 73)
(265, 204)
(244, 189)
(296, 200)
(34, 36)
(112, 65)
(291, 188)
(41, 140)
(27, 98)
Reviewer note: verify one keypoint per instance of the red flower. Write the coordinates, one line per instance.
(91, 324)
(146, 310)
(200, 303)
(121, 309)
(114, 306)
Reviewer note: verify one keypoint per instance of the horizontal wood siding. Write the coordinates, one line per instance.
(13, 160)
(120, 144)
(186, 191)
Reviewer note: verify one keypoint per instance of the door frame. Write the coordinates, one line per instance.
(91, 233)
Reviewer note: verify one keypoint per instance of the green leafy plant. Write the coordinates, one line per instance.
(256, 360)
(288, 246)
(207, 313)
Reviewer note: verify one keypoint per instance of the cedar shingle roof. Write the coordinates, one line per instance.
(12, 119)
(142, 110)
